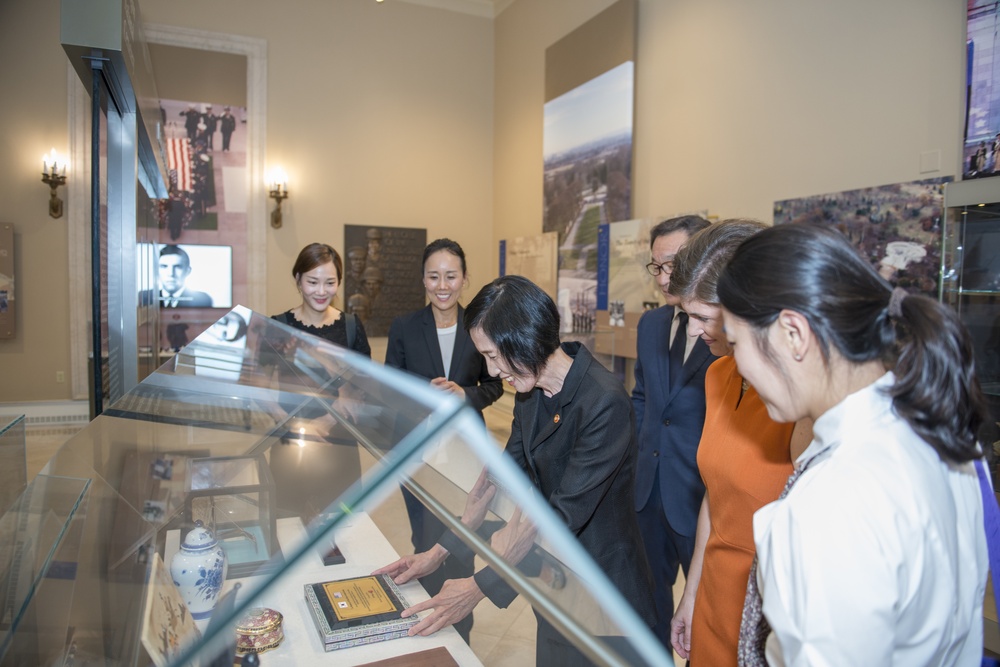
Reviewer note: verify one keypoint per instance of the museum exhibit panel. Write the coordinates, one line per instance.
(970, 283)
(243, 494)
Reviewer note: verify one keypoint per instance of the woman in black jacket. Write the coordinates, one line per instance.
(433, 344)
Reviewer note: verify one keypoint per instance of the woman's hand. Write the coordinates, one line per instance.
(415, 566)
(680, 625)
(478, 502)
(448, 385)
(514, 541)
(457, 599)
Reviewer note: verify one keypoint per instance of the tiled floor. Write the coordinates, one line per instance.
(501, 637)
(41, 444)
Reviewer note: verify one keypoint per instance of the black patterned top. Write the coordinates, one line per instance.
(335, 332)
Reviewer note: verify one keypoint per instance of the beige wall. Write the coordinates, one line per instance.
(32, 121)
(404, 115)
(380, 114)
(739, 104)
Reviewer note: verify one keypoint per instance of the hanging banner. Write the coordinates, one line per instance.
(8, 316)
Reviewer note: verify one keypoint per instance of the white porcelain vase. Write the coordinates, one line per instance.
(199, 570)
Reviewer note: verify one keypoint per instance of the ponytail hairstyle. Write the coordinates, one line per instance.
(813, 270)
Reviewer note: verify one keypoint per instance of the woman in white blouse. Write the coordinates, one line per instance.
(876, 553)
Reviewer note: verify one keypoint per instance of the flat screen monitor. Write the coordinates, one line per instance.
(193, 276)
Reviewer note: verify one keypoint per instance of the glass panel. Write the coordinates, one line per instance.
(972, 287)
(970, 284)
(13, 462)
(220, 473)
(38, 548)
(290, 457)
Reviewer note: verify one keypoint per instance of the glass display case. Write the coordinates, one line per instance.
(303, 446)
(233, 496)
(970, 283)
(13, 461)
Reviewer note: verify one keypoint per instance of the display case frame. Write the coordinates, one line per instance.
(295, 394)
(13, 461)
(970, 284)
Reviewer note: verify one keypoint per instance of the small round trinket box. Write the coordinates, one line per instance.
(259, 630)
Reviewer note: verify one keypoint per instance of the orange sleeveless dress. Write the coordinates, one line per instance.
(744, 461)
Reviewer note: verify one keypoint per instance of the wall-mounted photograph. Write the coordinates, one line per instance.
(897, 227)
(383, 274)
(203, 222)
(588, 164)
(981, 150)
(192, 276)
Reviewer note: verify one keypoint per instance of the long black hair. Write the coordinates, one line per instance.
(813, 270)
(520, 319)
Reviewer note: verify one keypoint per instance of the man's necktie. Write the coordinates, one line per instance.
(677, 347)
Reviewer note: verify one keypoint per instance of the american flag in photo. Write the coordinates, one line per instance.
(179, 161)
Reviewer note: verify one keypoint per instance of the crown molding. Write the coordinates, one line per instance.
(484, 8)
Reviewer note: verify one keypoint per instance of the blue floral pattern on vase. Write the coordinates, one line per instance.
(198, 570)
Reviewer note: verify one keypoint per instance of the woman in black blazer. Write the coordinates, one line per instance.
(433, 344)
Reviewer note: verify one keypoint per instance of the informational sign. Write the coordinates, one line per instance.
(8, 310)
(534, 257)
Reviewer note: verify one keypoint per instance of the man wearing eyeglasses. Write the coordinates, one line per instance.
(669, 402)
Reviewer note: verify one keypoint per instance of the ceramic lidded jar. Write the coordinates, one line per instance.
(198, 570)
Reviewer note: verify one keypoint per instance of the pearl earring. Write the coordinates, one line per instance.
(798, 357)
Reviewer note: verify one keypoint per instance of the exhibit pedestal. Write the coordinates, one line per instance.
(365, 548)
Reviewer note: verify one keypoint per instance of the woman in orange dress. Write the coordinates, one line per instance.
(744, 458)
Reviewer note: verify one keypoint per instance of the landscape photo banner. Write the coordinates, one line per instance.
(587, 150)
(897, 227)
(981, 137)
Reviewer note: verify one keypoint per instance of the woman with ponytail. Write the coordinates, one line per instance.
(875, 553)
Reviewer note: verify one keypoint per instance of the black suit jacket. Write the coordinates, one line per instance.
(188, 298)
(584, 465)
(669, 421)
(413, 347)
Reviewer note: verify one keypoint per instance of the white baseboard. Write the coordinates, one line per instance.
(47, 413)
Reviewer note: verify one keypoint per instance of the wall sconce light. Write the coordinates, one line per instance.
(54, 175)
(278, 190)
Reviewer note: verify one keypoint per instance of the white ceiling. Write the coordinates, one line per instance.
(487, 8)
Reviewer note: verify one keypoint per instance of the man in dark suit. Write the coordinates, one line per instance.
(193, 117)
(670, 413)
(174, 267)
(227, 123)
(211, 124)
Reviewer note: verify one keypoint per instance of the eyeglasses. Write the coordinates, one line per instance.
(656, 269)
